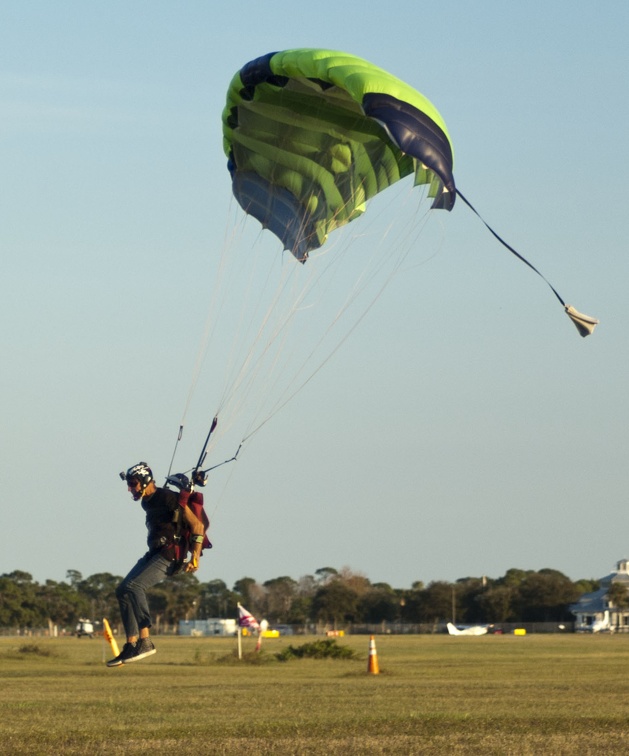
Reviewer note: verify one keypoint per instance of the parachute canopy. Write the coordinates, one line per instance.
(312, 134)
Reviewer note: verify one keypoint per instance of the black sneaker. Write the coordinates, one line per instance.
(144, 647)
(127, 653)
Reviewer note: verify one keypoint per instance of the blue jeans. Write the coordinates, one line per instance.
(131, 593)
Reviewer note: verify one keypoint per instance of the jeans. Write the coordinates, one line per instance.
(131, 593)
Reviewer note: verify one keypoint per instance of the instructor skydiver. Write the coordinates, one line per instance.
(162, 507)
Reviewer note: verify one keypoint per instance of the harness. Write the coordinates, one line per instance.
(183, 535)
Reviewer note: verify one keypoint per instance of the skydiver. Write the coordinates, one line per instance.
(161, 506)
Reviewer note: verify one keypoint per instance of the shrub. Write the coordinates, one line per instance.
(320, 649)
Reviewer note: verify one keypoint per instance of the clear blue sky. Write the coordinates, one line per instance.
(465, 428)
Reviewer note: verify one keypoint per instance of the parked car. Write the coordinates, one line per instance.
(284, 629)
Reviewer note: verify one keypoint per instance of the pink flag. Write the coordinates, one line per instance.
(246, 619)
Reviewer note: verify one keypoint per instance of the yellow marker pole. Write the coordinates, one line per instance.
(109, 637)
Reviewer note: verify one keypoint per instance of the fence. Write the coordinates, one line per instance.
(380, 628)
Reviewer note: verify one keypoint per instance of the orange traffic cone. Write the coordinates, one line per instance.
(372, 664)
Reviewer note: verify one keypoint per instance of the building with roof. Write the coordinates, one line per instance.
(596, 612)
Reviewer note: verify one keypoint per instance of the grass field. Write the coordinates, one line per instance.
(539, 694)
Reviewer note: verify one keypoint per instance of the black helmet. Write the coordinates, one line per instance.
(140, 473)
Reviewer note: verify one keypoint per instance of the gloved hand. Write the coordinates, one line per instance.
(193, 564)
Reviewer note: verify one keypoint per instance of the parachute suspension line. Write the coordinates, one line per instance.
(274, 336)
(396, 260)
(358, 289)
(244, 340)
(172, 459)
(251, 362)
(217, 300)
(262, 356)
(218, 494)
(239, 384)
(269, 335)
(585, 324)
(282, 403)
(272, 339)
(254, 378)
(509, 247)
(205, 339)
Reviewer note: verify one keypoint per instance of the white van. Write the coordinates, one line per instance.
(84, 627)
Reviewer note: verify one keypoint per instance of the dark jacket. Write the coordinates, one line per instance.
(160, 510)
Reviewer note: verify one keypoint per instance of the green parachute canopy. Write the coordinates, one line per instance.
(312, 134)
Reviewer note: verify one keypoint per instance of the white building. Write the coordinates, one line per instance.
(208, 627)
(595, 612)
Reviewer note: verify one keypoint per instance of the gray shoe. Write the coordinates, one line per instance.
(144, 647)
(127, 653)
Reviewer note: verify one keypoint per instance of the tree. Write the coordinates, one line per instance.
(216, 600)
(100, 592)
(20, 578)
(280, 594)
(335, 603)
(469, 593)
(496, 603)
(74, 577)
(380, 604)
(501, 601)
(358, 582)
(544, 596)
(436, 601)
(60, 604)
(177, 599)
(245, 589)
(325, 574)
(618, 598)
(251, 595)
(587, 585)
(514, 577)
(410, 603)
(17, 606)
(307, 586)
(301, 607)
(18, 601)
(300, 610)
(328, 596)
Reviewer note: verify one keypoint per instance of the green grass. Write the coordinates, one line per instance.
(545, 694)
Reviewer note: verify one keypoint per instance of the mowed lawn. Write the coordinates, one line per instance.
(539, 694)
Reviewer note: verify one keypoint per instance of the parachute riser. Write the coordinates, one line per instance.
(199, 477)
(220, 464)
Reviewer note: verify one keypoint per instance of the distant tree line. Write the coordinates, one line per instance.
(330, 597)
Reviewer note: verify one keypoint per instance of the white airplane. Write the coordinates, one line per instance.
(476, 630)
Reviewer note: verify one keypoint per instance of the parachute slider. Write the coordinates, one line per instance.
(584, 323)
